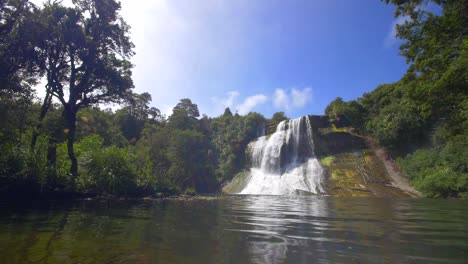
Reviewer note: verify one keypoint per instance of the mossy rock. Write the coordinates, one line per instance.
(327, 161)
(238, 183)
(358, 174)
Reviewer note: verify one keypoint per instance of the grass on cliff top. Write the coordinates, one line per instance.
(334, 129)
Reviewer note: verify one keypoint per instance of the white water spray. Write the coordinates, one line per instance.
(284, 163)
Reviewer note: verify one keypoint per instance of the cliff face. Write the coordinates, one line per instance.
(352, 167)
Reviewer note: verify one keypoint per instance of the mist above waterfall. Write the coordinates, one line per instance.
(284, 163)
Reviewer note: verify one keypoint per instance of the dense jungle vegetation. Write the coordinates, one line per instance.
(65, 142)
(423, 118)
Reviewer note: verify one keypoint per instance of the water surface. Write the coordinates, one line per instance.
(236, 229)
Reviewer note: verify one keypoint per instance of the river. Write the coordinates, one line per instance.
(236, 229)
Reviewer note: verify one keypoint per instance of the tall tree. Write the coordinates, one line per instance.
(133, 117)
(431, 41)
(278, 117)
(227, 112)
(85, 52)
(17, 54)
(187, 106)
(184, 115)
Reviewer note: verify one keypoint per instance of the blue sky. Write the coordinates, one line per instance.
(263, 55)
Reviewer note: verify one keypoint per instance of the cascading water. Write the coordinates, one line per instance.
(284, 163)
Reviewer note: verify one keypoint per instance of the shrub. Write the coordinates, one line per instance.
(108, 170)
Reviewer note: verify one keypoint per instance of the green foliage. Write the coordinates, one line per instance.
(352, 112)
(188, 107)
(18, 65)
(107, 170)
(227, 112)
(327, 161)
(26, 170)
(443, 182)
(184, 116)
(230, 136)
(84, 50)
(133, 117)
(103, 169)
(397, 125)
(426, 112)
(415, 163)
(455, 153)
(440, 171)
(189, 159)
(102, 122)
(334, 109)
(278, 117)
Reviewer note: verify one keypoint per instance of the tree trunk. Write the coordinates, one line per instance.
(70, 123)
(44, 109)
(52, 157)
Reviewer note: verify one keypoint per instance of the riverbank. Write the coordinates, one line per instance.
(74, 196)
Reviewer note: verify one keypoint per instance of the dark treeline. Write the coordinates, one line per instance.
(132, 151)
(423, 118)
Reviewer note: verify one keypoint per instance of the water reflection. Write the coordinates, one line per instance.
(278, 226)
(281, 229)
(236, 229)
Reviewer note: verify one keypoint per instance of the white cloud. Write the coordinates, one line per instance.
(300, 98)
(281, 99)
(183, 47)
(295, 99)
(250, 103)
(220, 103)
(227, 101)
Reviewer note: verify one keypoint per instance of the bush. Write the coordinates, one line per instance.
(442, 182)
(414, 164)
(24, 170)
(102, 170)
(438, 174)
(107, 171)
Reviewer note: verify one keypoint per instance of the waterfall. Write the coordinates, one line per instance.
(284, 163)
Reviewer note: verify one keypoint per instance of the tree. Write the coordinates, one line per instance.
(17, 55)
(227, 112)
(352, 112)
(184, 115)
(187, 106)
(85, 53)
(133, 117)
(93, 120)
(335, 108)
(278, 117)
(190, 163)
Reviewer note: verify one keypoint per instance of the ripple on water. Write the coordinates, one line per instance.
(237, 229)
